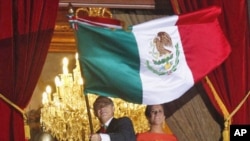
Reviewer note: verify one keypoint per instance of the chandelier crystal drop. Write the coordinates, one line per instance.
(64, 112)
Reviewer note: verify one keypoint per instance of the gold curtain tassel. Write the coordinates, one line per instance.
(226, 131)
(27, 131)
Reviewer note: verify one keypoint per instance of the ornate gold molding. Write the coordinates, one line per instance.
(95, 12)
(127, 4)
(63, 28)
(63, 39)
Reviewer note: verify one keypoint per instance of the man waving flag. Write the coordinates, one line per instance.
(153, 62)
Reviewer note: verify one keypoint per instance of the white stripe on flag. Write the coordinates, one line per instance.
(171, 85)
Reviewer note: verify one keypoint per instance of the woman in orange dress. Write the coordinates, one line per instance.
(155, 115)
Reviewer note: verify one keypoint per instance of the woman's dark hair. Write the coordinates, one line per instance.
(149, 109)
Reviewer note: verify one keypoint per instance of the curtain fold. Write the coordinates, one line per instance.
(231, 79)
(27, 29)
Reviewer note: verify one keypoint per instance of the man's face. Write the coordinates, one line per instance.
(104, 111)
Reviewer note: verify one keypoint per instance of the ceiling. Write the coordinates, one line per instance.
(63, 38)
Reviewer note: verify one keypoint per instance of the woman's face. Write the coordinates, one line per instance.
(157, 115)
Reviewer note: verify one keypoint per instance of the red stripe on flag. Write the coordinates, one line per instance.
(205, 47)
(201, 16)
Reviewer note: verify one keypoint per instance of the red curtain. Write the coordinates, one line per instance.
(231, 80)
(26, 31)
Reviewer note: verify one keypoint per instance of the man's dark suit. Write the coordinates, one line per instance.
(121, 129)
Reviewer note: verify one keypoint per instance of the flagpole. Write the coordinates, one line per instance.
(89, 114)
(71, 12)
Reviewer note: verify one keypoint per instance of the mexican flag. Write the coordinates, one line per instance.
(153, 62)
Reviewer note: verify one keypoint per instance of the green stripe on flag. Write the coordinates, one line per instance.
(110, 62)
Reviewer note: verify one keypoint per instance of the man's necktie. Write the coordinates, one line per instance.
(103, 129)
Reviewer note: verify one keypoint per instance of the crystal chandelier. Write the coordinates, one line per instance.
(64, 113)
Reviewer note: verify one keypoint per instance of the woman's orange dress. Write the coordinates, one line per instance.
(147, 136)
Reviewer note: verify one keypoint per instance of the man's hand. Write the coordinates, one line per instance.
(95, 137)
